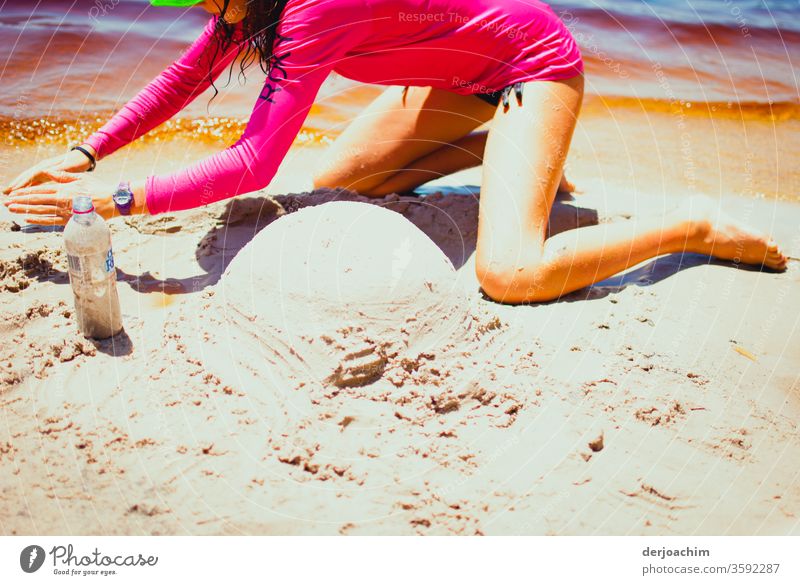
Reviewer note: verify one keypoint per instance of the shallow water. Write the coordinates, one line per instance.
(60, 59)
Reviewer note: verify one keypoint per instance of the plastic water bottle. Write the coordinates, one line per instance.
(91, 271)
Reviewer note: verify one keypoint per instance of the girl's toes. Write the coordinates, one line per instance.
(566, 186)
(777, 262)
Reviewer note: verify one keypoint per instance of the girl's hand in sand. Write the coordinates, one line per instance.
(73, 161)
(51, 203)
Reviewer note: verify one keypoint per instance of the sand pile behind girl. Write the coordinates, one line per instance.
(339, 333)
(333, 297)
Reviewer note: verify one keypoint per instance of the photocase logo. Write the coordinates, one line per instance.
(31, 558)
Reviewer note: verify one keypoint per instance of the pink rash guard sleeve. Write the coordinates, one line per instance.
(166, 95)
(312, 41)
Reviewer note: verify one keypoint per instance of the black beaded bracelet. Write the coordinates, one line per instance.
(88, 154)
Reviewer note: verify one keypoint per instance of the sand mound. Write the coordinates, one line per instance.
(336, 349)
(329, 296)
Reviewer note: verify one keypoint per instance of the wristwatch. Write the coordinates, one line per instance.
(123, 198)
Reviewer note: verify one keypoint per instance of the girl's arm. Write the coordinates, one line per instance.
(312, 42)
(167, 94)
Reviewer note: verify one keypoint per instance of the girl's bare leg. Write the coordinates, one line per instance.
(465, 153)
(402, 141)
(525, 152)
(394, 131)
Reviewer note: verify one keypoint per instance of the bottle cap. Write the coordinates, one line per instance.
(82, 204)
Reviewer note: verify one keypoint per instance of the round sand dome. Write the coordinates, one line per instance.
(343, 254)
(330, 293)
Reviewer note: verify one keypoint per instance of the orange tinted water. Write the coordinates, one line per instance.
(71, 63)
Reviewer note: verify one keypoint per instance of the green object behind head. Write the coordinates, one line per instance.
(175, 2)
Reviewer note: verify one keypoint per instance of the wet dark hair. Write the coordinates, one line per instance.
(259, 27)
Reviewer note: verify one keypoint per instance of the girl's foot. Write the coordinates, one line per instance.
(720, 235)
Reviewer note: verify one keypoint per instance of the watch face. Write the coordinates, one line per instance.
(123, 197)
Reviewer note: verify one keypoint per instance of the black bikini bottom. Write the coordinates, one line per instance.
(494, 98)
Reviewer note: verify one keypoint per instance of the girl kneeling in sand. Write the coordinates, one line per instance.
(467, 62)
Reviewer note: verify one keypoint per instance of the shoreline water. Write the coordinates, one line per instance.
(65, 62)
(683, 148)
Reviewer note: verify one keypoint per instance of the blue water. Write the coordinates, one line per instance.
(766, 14)
(696, 50)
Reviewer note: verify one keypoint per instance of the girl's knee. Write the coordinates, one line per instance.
(517, 284)
(323, 179)
(328, 181)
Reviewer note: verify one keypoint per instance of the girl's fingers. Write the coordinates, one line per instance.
(24, 179)
(61, 176)
(22, 185)
(39, 174)
(46, 220)
(39, 204)
(34, 195)
(15, 182)
(33, 209)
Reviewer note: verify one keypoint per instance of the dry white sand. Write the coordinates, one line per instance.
(343, 374)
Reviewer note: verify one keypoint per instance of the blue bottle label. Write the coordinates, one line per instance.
(92, 268)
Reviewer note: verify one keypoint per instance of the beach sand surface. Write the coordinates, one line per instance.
(662, 401)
